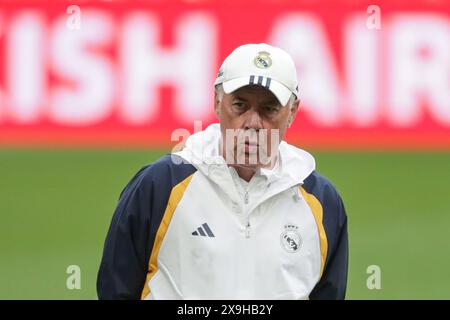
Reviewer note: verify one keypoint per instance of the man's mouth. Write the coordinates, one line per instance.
(251, 147)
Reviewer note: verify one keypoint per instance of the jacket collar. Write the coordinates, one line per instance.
(202, 151)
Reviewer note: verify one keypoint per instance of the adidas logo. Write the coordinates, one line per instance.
(203, 231)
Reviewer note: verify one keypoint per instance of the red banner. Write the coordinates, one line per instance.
(117, 73)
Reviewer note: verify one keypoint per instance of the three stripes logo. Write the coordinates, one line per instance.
(203, 231)
(260, 80)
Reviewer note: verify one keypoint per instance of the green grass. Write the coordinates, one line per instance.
(56, 207)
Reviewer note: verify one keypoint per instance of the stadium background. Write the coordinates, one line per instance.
(84, 103)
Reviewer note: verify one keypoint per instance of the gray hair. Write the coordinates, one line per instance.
(218, 88)
(291, 100)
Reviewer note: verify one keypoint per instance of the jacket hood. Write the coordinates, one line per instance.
(202, 151)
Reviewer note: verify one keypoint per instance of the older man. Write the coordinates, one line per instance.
(238, 213)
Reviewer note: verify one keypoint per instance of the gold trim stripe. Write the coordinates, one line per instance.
(317, 211)
(175, 196)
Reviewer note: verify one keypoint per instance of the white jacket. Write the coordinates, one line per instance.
(185, 228)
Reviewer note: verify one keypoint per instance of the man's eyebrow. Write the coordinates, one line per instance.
(273, 102)
(264, 103)
(236, 96)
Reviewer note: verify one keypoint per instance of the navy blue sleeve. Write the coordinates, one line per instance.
(333, 282)
(128, 244)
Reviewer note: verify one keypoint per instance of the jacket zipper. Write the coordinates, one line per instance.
(247, 224)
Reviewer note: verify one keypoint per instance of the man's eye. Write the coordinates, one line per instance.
(271, 109)
(239, 105)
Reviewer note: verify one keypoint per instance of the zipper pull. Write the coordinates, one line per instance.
(247, 230)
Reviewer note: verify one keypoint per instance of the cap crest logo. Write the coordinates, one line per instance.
(263, 60)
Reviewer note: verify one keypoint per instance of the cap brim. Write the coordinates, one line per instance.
(281, 92)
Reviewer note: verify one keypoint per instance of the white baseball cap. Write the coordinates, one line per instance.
(260, 64)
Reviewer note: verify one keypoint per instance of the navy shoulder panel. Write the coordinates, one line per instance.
(333, 283)
(157, 179)
(326, 193)
(133, 228)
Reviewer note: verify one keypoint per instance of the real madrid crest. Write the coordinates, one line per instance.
(290, 239)
(263, 60)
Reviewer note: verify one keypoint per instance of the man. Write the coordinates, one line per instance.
(238, 213)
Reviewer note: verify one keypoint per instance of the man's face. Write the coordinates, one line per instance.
(253, 122)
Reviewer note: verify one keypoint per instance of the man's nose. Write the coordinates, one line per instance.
(253, 120)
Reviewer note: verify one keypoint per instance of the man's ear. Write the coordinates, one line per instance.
(293, 111)
(216, 104)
